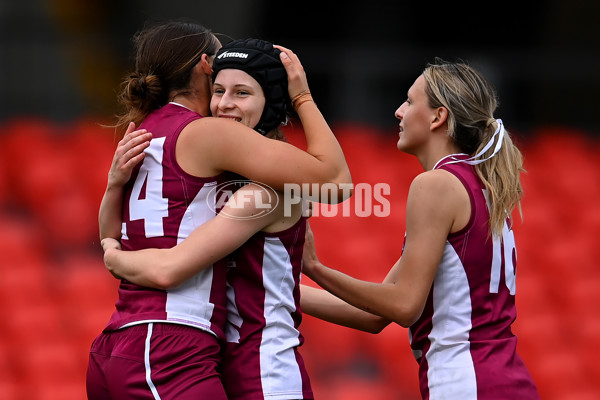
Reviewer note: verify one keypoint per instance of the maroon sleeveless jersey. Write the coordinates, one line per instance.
(261, 358)
(162, 205)
(463, 340)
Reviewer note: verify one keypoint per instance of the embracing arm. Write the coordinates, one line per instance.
(230, 146)
(129, 152)
(320, 141)
(210, 242)
(402, 296)
(321, 304)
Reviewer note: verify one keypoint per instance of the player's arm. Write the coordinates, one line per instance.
(401, 298)
(129, 152)
(321, 304)
(211, 241)
(242, 150)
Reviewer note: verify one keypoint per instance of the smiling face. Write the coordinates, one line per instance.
(415, 117)
(237, 95)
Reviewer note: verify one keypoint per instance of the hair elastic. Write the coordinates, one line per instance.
(500, 133)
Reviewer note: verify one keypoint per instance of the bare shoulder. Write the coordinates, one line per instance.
(206, 122)
(207, 146)
(219, 135)
(204, 128)
(438, 187)
(212, 125)
(259, 191)
(436, 181)
(255, 203)
(440, 195)
(268, 206)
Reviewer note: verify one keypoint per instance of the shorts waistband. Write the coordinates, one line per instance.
(161, 327)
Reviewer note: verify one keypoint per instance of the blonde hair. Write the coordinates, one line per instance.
(471, 102)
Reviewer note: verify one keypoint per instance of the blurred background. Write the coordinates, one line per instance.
(61, 62)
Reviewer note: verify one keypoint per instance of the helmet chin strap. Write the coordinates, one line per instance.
(500, 134)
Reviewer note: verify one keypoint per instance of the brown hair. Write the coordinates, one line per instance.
(165, 55)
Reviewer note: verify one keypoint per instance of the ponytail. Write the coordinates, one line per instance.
(140, 95)
(165, 57)
(471, 102)
(501, 176)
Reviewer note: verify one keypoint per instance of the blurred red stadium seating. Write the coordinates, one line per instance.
(55, 294)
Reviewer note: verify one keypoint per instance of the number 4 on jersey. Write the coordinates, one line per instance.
(149, 204)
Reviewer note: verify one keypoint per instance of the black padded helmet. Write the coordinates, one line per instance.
(260, 60)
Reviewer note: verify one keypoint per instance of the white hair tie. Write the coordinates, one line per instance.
(500, 133)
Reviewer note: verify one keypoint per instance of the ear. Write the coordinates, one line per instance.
(440, 116)
(205, 64)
